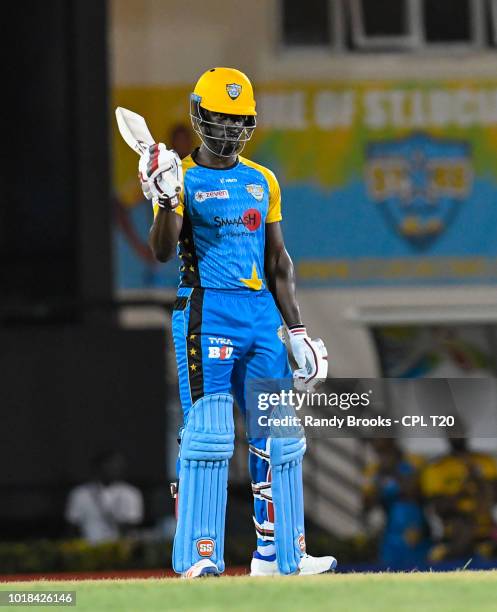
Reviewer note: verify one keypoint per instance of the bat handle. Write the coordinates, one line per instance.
(141, 147)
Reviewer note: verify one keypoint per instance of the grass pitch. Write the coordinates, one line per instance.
(428, 592)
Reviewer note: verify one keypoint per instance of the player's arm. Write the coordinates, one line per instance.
(310, 355)
(164, 233)
(280, 275)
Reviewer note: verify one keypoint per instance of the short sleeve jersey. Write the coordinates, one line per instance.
(224, 213)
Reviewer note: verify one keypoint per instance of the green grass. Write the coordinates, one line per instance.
(416, 592)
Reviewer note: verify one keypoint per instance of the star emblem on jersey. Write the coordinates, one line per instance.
(256, 191)
(234, 90)
(254, 282)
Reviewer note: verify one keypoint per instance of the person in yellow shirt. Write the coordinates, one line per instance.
(460, 490)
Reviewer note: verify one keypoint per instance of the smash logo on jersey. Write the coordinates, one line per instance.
(251, 219)
(256, 191)
(221, 348)
(220, 194)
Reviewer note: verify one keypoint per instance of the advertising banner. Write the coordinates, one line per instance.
(383, 183)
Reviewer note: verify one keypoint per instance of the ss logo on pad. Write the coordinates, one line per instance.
(205, 547)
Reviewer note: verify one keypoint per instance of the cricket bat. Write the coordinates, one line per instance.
(136, 134)
(134, 130)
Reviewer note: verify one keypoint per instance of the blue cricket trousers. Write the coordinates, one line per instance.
(222, 338)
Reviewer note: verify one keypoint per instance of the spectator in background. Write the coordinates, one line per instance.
(180, 139)
(106, 507)
(460, 491)
(392, 484)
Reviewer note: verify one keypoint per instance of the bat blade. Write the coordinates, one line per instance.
(134, 130)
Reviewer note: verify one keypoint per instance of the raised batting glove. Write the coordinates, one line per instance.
(161, 175)
(311, 357)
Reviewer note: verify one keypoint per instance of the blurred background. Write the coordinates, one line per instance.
(379, 118)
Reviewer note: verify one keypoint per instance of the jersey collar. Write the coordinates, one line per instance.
(194, 155)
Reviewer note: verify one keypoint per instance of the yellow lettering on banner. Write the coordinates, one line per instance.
(441, 177)
(323, 270)
(451, 177)
(386, 177)
(458, 178)
(371, 268)
(468, 267)
(424, 269)
(396, 268)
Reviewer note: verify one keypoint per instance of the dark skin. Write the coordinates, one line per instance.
(279, 270)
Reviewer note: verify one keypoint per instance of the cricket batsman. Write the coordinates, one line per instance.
(221, 214)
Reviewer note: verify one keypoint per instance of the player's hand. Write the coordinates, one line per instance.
(161, 175)
(311, 357)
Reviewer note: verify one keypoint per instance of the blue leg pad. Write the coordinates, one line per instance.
(207, 444)
(288, 501)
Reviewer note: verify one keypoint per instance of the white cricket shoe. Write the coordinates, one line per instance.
(308, 566)
(201, 569)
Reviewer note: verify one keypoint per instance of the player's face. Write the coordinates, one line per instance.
(232, 125)
(226, 134)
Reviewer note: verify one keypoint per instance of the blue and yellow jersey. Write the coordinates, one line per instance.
(451, 475)
(454, 476)
(224, 215)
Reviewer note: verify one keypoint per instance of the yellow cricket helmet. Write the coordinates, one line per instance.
(222, 110)
(225, 90)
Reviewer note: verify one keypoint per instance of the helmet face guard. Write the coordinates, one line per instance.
(224, 139)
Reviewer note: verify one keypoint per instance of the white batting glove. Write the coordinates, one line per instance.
(161, 175)
(311, 357)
